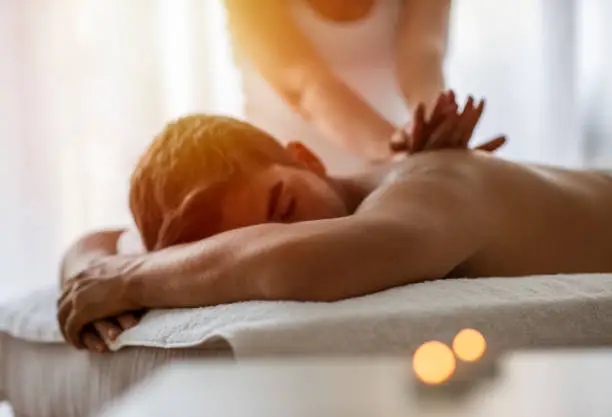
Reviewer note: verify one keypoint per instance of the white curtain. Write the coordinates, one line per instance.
(85, 84)
(545, 68)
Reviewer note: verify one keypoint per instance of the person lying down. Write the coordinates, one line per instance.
(227, 214)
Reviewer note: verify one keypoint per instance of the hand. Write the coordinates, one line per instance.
(445, 129)
(97, 336)
(98, 292)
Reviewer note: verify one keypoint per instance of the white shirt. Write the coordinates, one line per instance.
(361, 53)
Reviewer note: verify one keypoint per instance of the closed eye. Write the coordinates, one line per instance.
(289, 211)
(274, 198)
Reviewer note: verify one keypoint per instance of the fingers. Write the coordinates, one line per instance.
(63, 312)
(399, 141)
(444, 108)
(72, 330)
(464, 125)
(445, 104)
(492, 145)
(440, 136)
(438, 107)
(411, 136)
(102, 331)
(473, 119)
(417, 137)
(107, 329)
(436, 115)
(127, 321)
(446, 128)
(93, 342)
(65, 294)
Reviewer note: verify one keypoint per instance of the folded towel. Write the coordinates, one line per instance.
(510, 312)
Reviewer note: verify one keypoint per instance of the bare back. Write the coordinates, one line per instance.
(531, 220)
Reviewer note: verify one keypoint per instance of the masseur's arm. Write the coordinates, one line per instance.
(264, 33)
(421, 49)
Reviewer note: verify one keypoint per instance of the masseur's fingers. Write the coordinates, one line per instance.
(410, 137)
(430, 140)
(464, 125)
(440, 135)
(438, 107)
(93, 342)
(474, 119)
(107, 329)
(418, 129)
(450, 97)
(492, 145)
(435, 116)
(399, 141)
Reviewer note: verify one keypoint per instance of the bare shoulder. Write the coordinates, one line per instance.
(434, 179)
(476, 177)
(516, 219)
(442, 198)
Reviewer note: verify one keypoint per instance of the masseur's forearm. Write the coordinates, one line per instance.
(345, 118)
(421, 49)
(313, 261)
(421, 78)
(86, 250)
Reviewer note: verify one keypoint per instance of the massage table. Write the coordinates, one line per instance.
(42, 376)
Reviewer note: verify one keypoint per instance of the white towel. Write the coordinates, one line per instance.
(510, 312)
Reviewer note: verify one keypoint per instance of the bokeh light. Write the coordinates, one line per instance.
(469, 345)
(433, 362)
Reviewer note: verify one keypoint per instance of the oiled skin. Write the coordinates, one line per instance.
(534, 219)
(448, 213)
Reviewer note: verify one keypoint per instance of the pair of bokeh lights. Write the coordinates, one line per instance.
(434, 362)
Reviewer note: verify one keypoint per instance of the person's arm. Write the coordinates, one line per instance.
(87, 250)
(408, 236)
(86, 253)
(264, 33)
(421, 49)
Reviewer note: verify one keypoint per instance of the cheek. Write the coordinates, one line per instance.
(320, 205)
(242, 210)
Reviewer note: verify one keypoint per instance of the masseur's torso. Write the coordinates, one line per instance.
(531, 219)
(361, 52)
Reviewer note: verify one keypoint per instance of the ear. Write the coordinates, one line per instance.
(305, 157)
(197, 218)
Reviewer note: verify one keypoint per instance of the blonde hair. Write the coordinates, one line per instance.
(193, 154)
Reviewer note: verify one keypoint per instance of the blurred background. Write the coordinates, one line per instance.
(86, 84)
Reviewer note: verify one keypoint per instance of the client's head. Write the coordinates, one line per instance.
(208, 174)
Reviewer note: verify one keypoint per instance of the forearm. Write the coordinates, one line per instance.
(302, 78)
(216, 270)
(345, 118)
(421, 49)
(421, 78)
(315, 261)
(86, 250)
(341, 263)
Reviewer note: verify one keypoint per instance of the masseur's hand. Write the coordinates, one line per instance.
(91, 298)
(447, 128)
